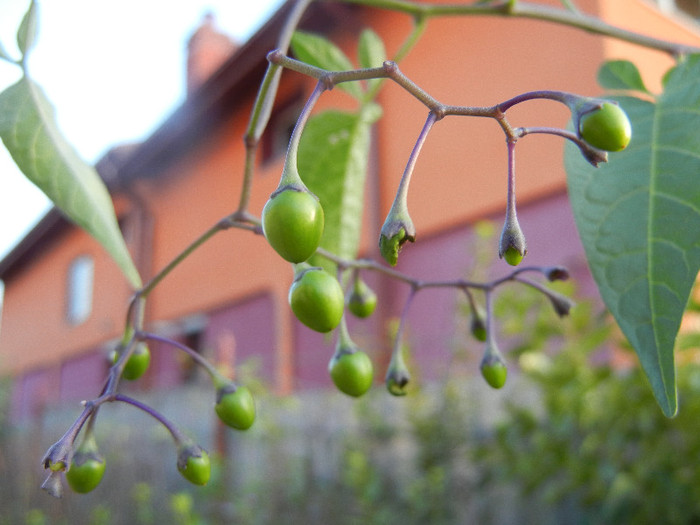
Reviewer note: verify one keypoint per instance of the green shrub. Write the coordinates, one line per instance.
(595, 449)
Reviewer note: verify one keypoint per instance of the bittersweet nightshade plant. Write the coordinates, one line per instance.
(235, 406)
(362, 301)
(316, 298)
(636, 201)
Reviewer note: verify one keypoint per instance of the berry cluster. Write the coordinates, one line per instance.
(292, 221)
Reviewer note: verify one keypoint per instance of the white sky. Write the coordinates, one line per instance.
(113, 70)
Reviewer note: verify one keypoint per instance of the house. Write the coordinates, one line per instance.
(65, 301)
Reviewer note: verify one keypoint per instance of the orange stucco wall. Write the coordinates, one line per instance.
(461, 175)
(35, 331)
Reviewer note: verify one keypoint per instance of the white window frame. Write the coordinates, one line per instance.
(79, 289)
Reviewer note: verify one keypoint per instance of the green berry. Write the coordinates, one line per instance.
(351, 372)
(87, 466)
(317, 299)
(292, 222)
(389, 247)
(396, 382)
(85, 472)
(397, 375)
(478, 327)
(362, 301)
(513, 256)
(606, 127)
(512, 246)
(235, 406)
(138, 362)
(194, 465)
(495, 372)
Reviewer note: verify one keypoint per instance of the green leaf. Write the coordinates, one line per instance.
(621, 74)
(320, 52)
(639, 220)
(29, 131)
(26, 34)
(333, 155)
(371, 53)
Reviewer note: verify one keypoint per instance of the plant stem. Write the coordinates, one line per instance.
(564, 97)
(199, 359)
(408, 44)
(404, 313)
(566, 17)
(262, 108)
(345, 343)
(402, 193)
(490, 320)
(419, 284)
(290, 174)
(391, 71)
(178, 436)
(219, 226)
(511, 211)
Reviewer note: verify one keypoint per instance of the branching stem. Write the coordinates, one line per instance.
(262, 108)
(178, 436)
(562, 16)
(204, 363)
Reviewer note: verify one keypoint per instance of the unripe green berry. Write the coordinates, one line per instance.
(512, 246)
(235, 406)
(513, 256)
(362, 301)
(397, 375)
(194, 464)
(396, 381)
(478, 327)
(138, 362)
(293, 222)
(607, 127)
(351, 372)
(86, 472)
(87, 466)
(317, 299)
(494, 371)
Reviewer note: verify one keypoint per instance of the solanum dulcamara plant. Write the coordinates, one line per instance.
(623, 177)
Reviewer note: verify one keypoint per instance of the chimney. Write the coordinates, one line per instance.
(207, 50)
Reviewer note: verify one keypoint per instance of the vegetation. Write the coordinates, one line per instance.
(637, 216)
(584, 443)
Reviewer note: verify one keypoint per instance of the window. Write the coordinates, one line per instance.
(190, 370)
(79, 289)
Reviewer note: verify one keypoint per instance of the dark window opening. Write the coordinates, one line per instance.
(191, 371)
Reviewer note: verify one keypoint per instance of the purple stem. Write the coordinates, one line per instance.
(178, 436)
(194, 355)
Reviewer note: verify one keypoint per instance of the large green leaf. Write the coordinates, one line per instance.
(639, 220)
(29, 131)
(321, 52)
(333, 155)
